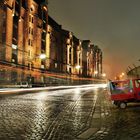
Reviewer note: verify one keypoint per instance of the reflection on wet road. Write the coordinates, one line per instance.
(79, 113)
(58, 114)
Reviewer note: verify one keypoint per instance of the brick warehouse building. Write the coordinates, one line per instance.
(35, 48)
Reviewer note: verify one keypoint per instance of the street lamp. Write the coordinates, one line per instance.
(78, 67)
(96, 72)
(122, 74)
(42, 56)
(104, 74)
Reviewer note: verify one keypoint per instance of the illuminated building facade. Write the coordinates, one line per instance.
(77, 56)
(91, 59)
(98, 61)
(24, 32)
(55, 45)
(27, 32)
(85, 57)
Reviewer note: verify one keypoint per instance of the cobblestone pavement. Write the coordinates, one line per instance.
(72, 114)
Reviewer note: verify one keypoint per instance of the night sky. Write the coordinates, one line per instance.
(113, 25)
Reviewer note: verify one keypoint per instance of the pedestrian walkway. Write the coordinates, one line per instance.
(98, 125)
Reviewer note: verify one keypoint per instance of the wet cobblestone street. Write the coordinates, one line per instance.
(70, 114)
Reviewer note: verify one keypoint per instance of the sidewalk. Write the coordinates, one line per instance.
(99, 128)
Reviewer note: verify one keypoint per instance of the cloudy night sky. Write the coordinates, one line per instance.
(113, 25)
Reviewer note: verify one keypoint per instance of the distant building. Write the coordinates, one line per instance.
(85, 57)
(77, 56)
(91, 59)
(98, 61)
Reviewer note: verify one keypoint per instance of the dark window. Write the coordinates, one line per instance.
(44, 16)
(70, 55)
(18, 1)
(28, 65)
(13, 76)
(32, 31)
(15, 29)
(31, 9)
(32, 66)
(69, 70)
(29, 42)
(17, 8)
(24, 4)
(14, 56)
(43, 41)
(2, 75)
(39, 12)
(32, 20)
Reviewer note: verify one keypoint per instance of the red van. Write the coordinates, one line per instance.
(125, 91)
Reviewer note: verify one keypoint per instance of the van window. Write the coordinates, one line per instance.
(137, 83)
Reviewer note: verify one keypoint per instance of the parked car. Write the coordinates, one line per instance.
(23, 84)
(123, 92)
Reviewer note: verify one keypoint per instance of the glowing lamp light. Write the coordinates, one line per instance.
(45, 8)
(104, 75)
(42, 56)
(78, 67)
(96, 72)
(14, 46)
(19, 19)
(122, 74)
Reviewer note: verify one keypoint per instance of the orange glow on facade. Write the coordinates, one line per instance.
(36, 48)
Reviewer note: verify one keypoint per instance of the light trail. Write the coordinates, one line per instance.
(85, 87)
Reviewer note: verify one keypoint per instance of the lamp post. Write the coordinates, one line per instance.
(41, 57)
(78, 71)
(95, 73)
(104, 75)
(78, 67)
